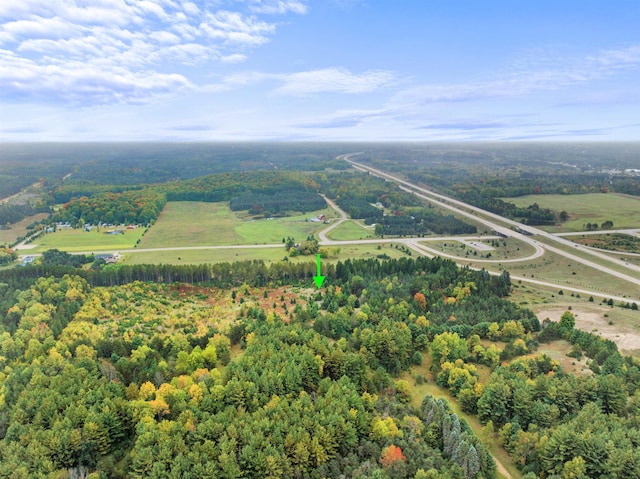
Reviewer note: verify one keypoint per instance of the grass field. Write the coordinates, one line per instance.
(19, 229)
(582, 253)
(509, 248)
(558, 350)
(350, 230)
(76, 240)
(623, 210)
(613, 242)
(266, 254)
(565, 272)
(194, 223)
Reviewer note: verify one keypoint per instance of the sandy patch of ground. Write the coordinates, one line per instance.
(592, 320)
(479, 246)
(26, 246)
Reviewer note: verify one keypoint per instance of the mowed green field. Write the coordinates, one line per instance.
(194, 223)
(269, 255)
(623, 210)
(350, 230)
(77, 240)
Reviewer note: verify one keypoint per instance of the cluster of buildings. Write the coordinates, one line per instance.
(88, 227)
(108, 258)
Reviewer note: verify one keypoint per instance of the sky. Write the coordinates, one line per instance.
(319, 70)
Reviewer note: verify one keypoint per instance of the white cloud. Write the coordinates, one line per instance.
(76, 82)
(234, 58)
(39, 27)
(278, 6)
(190, 8)
(233, 27)
(328, 80)
(334, 80)
(137, 46)
(165, 37)
(532, 74)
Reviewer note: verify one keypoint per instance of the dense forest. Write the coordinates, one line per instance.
(152, 380)
(129, 207)
(240, 370)
(147, 163)
(420, 222)
(13, 213)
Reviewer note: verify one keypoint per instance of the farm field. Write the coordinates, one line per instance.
(194, 223)
(19, 229)
(350, 230)
(76, 240)
(623, 210)
(201, 256)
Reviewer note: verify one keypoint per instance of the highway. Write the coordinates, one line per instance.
(496, 223)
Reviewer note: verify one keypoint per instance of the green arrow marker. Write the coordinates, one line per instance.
(318, 279)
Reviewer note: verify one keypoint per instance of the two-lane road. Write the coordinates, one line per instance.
(343, 217)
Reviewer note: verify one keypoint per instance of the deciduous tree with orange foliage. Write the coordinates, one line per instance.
(421, 300)
(390, 455)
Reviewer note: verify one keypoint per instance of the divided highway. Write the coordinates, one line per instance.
(497, 222)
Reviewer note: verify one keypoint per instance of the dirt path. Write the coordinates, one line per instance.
(37, 184)
(501, 469)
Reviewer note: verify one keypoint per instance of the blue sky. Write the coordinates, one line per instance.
(177, 70)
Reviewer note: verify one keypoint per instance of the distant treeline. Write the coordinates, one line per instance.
(149, 163)
(355, 188)
(67, 192)
(226, 186)
(221, 274)
(421, 222)
(279, 202)
(10, 214)
(530, 215)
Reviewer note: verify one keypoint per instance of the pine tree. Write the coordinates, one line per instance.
(472, 463)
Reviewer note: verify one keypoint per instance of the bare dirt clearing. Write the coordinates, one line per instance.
(592, 319)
